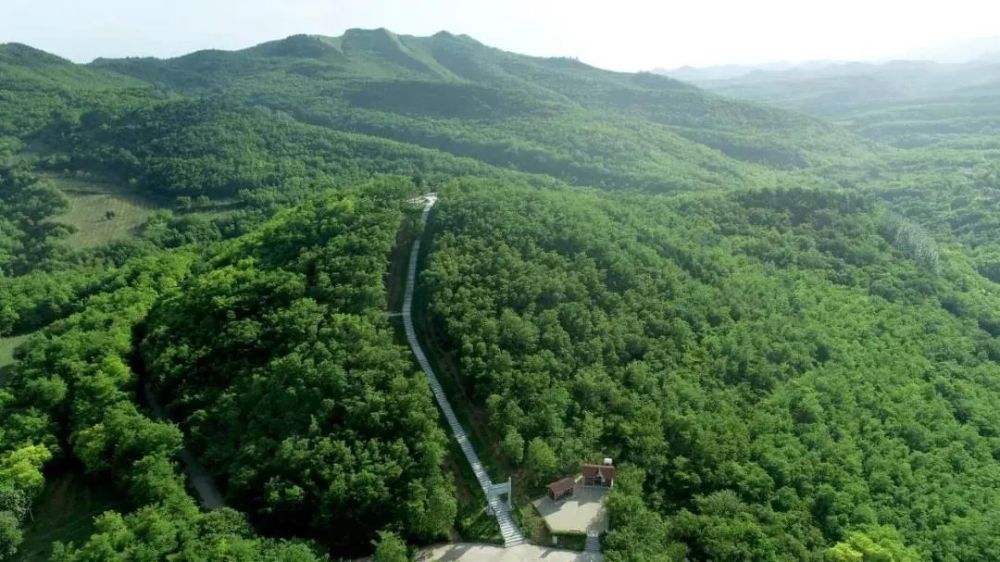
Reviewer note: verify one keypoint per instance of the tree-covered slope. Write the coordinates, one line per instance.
(289, 386)
(787, 374)
(221, 150)
(37, 88)
(552, 116)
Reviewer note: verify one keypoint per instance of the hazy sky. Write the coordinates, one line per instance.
(617, 34)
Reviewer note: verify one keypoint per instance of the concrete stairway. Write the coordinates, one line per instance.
(593, 543)
(508, 528)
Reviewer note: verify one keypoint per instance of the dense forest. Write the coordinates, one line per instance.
(785, 328)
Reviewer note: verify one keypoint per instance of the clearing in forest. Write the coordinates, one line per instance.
(100, 212)
(7, 347)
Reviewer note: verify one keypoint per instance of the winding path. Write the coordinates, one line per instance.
(508, 528)
(202, 481)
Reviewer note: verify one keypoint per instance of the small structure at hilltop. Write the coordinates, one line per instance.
(574, 505)
(591, 476)
(602, 475)
(561, 489)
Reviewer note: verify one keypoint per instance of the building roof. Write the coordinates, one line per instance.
(560, 487)
(592, 470)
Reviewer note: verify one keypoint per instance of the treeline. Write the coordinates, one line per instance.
(771, 365)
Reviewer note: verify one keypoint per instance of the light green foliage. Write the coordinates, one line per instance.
(158, 533)
(10, 535)
(513, 446)
(21, 469)
(913, 240)
(882, 544)
(390, 548)
(541, 460)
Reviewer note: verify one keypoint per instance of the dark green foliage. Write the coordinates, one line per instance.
(290, 386)
(763, 357)
(27, 239)
(220, 150)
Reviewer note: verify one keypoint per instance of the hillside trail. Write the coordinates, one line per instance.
(497, 506)
(202, 481)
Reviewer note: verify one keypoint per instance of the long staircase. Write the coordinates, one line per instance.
(508, 528)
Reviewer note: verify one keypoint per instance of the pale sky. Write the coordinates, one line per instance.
(615, 34)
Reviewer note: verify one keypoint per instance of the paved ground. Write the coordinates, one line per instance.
(466, 552)
(583, 513)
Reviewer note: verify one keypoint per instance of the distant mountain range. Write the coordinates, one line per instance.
(902, 102)
(956, 52)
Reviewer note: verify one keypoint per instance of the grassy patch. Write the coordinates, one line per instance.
(533, 525)
(65, 512)
(101, 212)
(7, 347)
(473, 523)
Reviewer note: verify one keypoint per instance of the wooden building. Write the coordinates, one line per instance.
(602, 475)
(561, 489)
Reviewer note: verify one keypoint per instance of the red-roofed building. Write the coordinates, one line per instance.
(561, 488)
(598, 474)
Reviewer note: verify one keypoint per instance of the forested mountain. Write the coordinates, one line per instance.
(783, 327)
(906, 103)
(553, 116)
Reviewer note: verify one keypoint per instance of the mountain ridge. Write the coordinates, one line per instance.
(378, 82)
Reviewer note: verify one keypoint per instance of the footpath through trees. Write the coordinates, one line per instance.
(501, 509)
